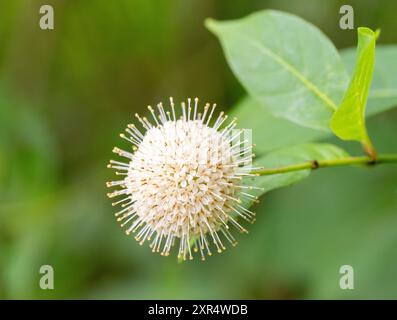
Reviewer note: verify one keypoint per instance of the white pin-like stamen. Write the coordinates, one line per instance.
(189, 108)
(184, 111)
(206, 107)
(195, 108)
(172, 108)
(133, 135)
(153, 114)
(135, 130)
(210, 116)
(183, 182)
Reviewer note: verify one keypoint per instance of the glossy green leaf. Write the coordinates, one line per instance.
(270, 132)
(348, 122)
(383, 93)
(286, 64)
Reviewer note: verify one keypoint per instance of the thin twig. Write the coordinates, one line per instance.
(315, 164)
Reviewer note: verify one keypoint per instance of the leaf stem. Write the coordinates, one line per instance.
(369, 149)
(315, 164)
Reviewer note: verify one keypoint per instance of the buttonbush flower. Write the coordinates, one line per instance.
(183, 182)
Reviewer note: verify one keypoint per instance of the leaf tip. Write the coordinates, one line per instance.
(377, 33)
(365, 31)
(211, 24)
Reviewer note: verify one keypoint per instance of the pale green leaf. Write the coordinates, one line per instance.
(286, 64)
(268, 131)
(348, 122)
(383, 93)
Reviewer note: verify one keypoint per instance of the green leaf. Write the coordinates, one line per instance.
(348, 122)
(270, 133)
(288, 156)
(383, 93)
(286, 64)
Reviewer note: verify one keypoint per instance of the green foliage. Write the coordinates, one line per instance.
(28, 174)
(348, 122)
(27, 163)
(383, 92)
(105, 62)
(279, 133)
(286, 64)
(268, 131)
(304, 90)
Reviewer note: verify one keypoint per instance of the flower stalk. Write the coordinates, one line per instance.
(315, 164)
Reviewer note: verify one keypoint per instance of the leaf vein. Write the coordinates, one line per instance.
(328, 102)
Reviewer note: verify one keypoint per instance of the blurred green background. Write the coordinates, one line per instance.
(66, 94)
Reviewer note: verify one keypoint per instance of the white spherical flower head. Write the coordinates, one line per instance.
(183, 180)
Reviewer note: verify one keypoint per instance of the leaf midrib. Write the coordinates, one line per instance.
(295, 72)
